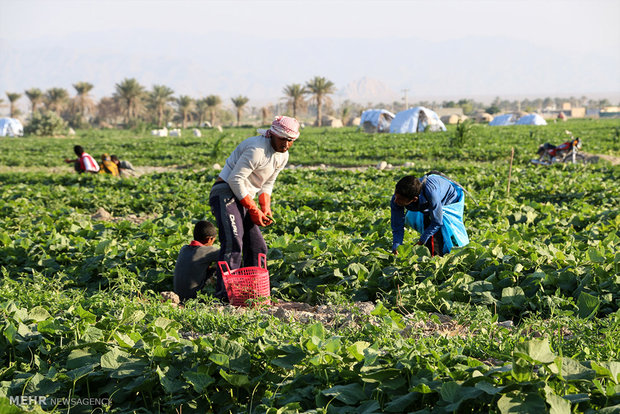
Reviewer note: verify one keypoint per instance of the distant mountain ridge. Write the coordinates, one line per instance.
(363, 70)
(367, 90)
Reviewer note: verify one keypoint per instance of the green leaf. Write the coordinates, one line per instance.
(238, 380)
(220, 359)
(349, 394)
(610, 369)
(316, 330)
(401, 404)
(557, 404)
(38, 314)
(357, 350)
(521, 370)
(588, 305)
(450, 392)
(132, 316)
(113, 359)
(199, 380)
(573, 370)
(595, 255)
(124, 340)
(9, 333)
(518, 402)
(81, 357)
(92, 334)
(536, 350)
(168, 379)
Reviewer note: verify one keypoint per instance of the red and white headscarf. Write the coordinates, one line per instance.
(283, 126)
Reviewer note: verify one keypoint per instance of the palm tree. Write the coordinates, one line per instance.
(185, 105)
(82, 104)
(202, 108)
(239, 102)
(13, 97)
(213, 101)
(36, 97)
(159, 98)
(130, 93)
(319, 87)
(56, 99)
(295, 92)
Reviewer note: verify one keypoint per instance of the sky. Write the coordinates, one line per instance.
(569, 29)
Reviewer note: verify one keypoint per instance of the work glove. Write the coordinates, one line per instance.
(258, 217)
(264, 200)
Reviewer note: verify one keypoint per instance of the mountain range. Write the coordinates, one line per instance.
(363, 70)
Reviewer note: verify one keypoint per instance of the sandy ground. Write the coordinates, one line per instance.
(145, 170)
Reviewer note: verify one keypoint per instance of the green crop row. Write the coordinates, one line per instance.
(535, 295)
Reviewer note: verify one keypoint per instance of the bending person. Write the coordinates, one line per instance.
(84, 162)
(250, 170)
(432, 205)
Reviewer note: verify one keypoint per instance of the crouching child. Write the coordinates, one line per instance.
(193, 266)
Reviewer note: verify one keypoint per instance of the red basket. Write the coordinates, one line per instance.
(247, 282)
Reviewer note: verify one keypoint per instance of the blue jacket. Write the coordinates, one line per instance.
(436, 193)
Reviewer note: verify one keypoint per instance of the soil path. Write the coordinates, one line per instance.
(145, 170)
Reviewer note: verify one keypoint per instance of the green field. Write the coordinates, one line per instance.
(524, 319)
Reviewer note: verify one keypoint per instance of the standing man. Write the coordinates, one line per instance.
(433, 205)
(250, 170)
(84, 162)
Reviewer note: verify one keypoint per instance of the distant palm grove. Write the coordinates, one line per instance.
(133, 105)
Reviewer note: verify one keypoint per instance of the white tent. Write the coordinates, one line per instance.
(418, 119)
(531, 119)
(11, 127)
(376, 120)
(503, 120)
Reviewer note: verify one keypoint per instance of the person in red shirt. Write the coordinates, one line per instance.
(84, 162)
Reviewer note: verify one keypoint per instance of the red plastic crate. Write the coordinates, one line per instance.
(247, 283)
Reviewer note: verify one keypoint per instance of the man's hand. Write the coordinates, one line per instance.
(264, 200)
(258, 217)
(395, 252)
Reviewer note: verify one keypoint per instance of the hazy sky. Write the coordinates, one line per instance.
(581, 37)
(581, 24)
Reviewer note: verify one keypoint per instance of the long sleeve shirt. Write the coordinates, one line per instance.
(252, 167)
(88, 163)
(436, 193)
(191, 269)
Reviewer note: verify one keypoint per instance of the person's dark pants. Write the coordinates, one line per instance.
(435, 242)
(240, 239)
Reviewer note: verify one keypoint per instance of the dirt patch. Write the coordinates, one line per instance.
(351, 316)
(592, 158)
(103, 215)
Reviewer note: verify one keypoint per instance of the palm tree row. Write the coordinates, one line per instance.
(132, 102)
(318, 88)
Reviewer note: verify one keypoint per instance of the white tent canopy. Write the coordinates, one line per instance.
(503, 120)
(531, 119)
(418, 119)
(11, 127)
(376, 120)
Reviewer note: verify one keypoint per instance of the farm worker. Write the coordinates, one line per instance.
(124, 166)
(251, 169)
(433, 205)
(107, 166)
(193, 264)
(84, 162)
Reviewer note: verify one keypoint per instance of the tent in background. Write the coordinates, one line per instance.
(418, 119)
(503, 120)
(11, 127)
(531, 119)
(376, 120)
